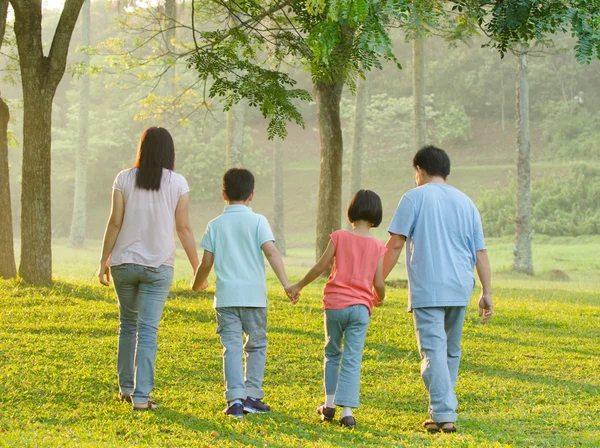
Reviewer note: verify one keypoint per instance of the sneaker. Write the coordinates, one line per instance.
(327, 414)
(235, 410)
(348, 422)
(252, 406)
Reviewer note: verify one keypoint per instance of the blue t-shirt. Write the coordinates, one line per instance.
(443, 231)
(235, 238)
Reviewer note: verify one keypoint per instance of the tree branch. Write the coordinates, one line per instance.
(3, 13)
(62, 37)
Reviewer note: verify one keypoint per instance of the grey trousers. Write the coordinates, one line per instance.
(439, 331)
(233, 322)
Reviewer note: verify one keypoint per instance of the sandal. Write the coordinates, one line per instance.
(435, 427)
(125, 397)
(148, 406)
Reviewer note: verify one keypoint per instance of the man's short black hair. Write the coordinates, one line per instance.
(366, 205)
(433, 160)
(238, 184)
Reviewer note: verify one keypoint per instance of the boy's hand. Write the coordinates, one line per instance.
(486, 307)
(293, 293)
(202, 287)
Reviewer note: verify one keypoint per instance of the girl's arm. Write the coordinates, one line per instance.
(316, 270)
(184, 230)
(200, 279)
(113, 227)
(379, 284)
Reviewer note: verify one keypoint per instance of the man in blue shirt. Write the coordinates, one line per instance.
(234, 243)
(444, 242)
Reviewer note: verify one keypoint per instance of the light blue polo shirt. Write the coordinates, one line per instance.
(443, 231)
(235, 238)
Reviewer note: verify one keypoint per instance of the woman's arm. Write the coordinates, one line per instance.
(200, 278)
(184, 230)
(379, 284)
(316, 270)
(113, 227)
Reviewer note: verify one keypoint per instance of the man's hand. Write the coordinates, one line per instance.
(293, 293)
(486, 307)
(104, 274)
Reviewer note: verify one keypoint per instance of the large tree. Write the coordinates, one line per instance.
(40, 76)
(8, 267)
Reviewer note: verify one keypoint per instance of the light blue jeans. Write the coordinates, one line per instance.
(142, 292)
(232, 323)
(349, 324)
(439, 331)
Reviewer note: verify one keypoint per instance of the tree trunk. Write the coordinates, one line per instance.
(78, 220)
(8, 268)
(503, 98)
(523, 235)
(329, 209)
(278, 196)
(235, 136)
(40, 76)
(420, 120)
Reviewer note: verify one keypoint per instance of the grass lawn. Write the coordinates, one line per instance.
(530, 377)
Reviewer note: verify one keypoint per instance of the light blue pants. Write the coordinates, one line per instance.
(232, 323)
(439, 331)
(350, 324)
(142, 292)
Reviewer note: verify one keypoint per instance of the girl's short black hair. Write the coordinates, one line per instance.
(238, 184)
(433, 160)
(156, 151)
(366, 205)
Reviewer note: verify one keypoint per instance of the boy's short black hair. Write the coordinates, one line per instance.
(238, 184)
(365, 205)
(433, 160)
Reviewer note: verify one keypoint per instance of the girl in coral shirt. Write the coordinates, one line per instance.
(354, 286)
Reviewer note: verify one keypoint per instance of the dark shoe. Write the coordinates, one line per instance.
(252, 406)
(235, 410)
(348, 421)
(125, 397)
(148, 406)
(327, 414)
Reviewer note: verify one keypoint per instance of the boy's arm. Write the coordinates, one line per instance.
(379, 284)
(316, 270)
(394, 246)
(276, 262)
(484, 271)
(199, 283)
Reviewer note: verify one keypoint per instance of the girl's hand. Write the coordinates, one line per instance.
(104, 274)
(377, 302)
(293, 293)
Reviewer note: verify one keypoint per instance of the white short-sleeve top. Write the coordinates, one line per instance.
(147, 232)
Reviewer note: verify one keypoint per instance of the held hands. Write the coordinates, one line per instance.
(293, 293)
(104, 274)
(486, 307)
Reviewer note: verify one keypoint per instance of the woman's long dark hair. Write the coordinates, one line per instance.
(156, 151)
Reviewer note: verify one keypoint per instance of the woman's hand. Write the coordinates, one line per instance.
(104, 274)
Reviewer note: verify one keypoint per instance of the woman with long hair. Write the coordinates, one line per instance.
(148, 201)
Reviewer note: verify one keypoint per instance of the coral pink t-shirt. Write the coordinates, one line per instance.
(354, 266)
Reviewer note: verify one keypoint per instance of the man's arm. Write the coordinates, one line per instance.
(484, 271)
(200, 279)
(394, 246)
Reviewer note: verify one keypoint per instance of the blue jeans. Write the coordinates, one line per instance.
(232, 323)
(350, 324)
(142, 292)
(439, 331)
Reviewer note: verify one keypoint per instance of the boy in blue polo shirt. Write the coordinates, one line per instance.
(234, 243)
